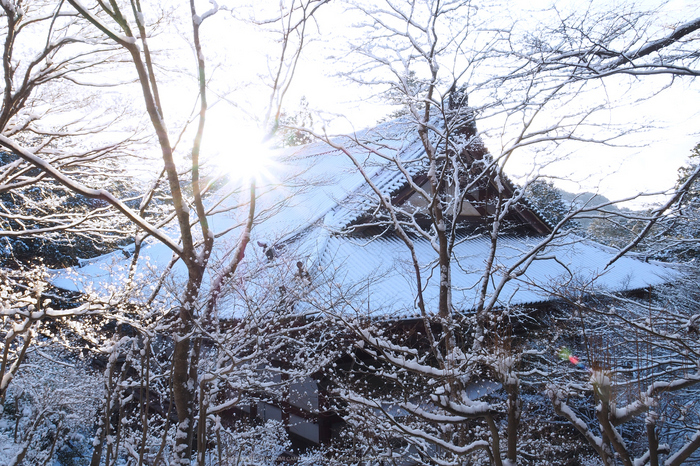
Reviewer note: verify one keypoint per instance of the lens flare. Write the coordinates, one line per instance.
(565, 354)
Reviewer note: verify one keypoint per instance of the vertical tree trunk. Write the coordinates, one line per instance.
(653, 441)
(183, 397)
(514, 405)
(495, 441)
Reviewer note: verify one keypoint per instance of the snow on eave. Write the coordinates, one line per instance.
(572, 267)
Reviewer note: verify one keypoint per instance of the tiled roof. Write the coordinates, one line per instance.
(316, 191)
(375, 149)
(378, 272)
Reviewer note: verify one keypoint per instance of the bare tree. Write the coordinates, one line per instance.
(81, 45)
(632, 41)
(430, 184)
(432, 57)
(635, 363)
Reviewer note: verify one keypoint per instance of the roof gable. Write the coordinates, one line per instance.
(393, 157)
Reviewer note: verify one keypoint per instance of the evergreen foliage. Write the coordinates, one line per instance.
(549, 202)
(302, 118)
(47, 205)
(681, 229)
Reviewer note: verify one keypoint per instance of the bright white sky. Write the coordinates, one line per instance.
(238, 54)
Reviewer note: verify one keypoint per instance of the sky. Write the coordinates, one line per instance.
(238, 57)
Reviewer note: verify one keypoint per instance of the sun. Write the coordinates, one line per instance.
(243, 159)
(249, 161)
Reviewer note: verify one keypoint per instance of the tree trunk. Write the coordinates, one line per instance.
(514, 405)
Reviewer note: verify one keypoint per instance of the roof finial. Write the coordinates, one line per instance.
(457, 97)
(461, 115)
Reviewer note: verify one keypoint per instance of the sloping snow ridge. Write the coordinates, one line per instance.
(314, 191)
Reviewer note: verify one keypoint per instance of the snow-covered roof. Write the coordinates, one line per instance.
(314, 191)
(377, 272)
